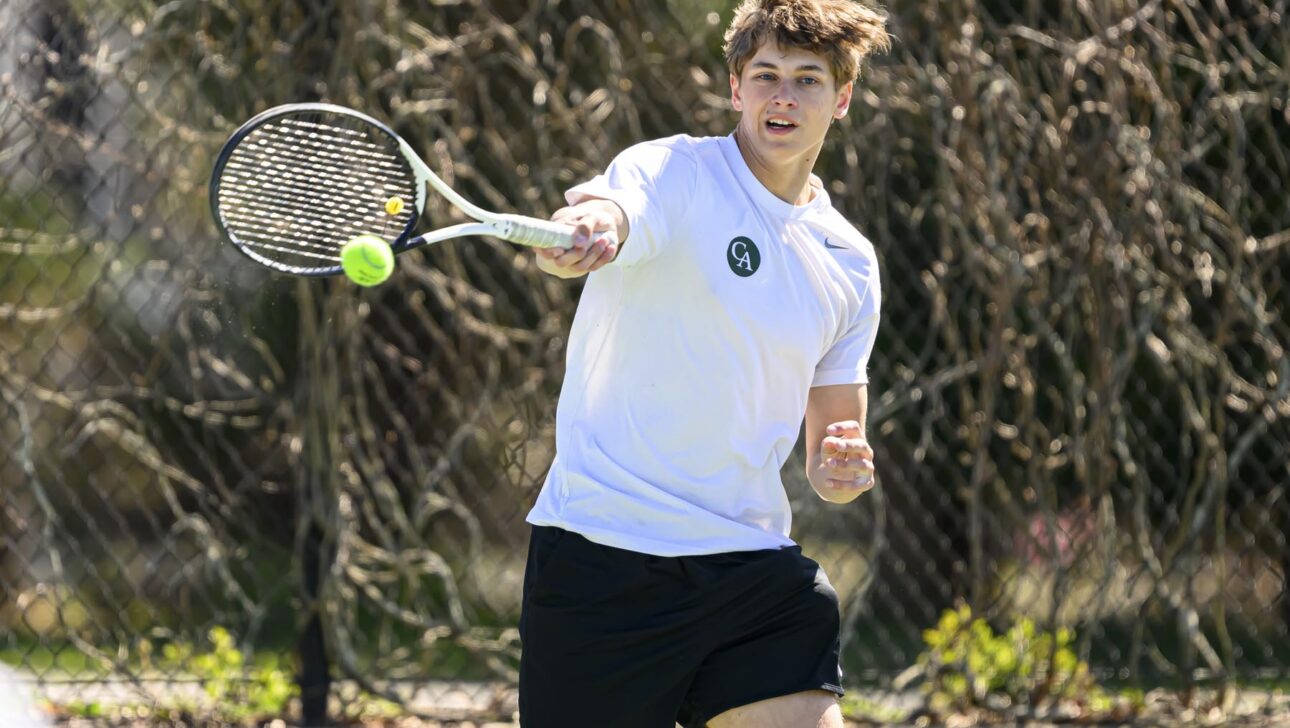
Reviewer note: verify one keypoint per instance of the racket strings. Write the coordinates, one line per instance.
(260, 201)
(296, 189)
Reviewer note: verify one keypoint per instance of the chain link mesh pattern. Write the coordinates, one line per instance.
(1081, 392)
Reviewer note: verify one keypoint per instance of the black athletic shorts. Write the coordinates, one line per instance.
(629, 640)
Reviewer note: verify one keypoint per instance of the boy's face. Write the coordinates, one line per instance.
(787, 98)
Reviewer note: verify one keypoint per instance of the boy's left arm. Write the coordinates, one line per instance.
(839, 461)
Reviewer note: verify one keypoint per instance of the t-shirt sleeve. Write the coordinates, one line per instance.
(653, 183)
(847, 361)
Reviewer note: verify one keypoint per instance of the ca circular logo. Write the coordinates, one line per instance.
(743, 257)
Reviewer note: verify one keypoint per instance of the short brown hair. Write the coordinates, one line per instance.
(842, 31)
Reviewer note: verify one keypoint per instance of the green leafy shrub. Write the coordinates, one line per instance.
(967, 665)
(239, 691)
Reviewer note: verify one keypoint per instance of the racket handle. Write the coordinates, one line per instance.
(538, 233)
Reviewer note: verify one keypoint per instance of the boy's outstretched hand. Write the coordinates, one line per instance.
(590, 248)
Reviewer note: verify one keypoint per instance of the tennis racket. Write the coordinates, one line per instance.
(295, 183)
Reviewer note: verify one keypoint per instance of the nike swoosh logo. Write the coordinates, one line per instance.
(833, 247)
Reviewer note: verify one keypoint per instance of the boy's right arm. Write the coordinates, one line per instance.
(589, 251)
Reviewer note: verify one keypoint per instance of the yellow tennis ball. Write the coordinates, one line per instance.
(367, 260)
(394, 205)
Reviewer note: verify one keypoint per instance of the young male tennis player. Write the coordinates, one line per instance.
(662, 585)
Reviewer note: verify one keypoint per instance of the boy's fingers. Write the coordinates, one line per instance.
(570, 257)
(606, 254)
(581, 233)
(845, 428)
(855, 446)
(862, 483)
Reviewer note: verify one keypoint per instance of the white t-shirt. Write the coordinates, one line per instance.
(691, 354)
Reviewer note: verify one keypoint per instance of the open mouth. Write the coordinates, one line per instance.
(780, 125)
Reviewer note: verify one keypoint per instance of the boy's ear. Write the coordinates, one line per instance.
(844, 100)
(735, 101)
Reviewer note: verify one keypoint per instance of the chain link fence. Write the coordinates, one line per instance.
(1080, 399)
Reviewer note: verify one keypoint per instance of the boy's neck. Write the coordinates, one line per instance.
(789, 182)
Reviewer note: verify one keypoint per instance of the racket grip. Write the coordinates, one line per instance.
(538, 233)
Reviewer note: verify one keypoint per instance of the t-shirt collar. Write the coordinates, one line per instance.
(763, 196)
